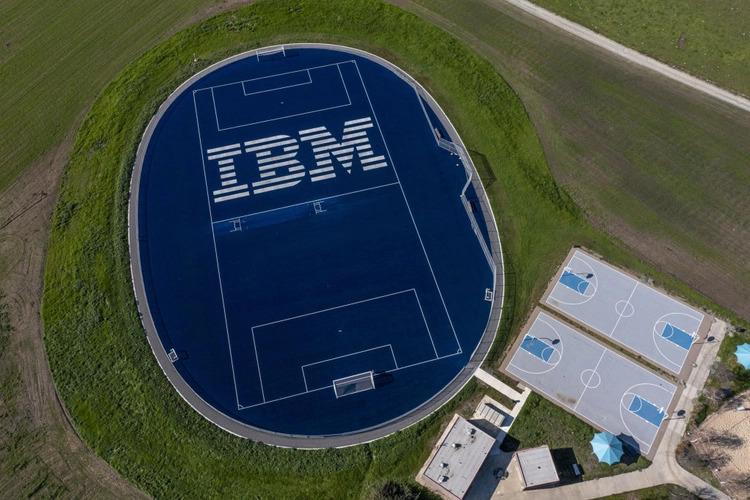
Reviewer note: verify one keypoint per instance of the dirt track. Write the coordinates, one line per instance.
(40, 453)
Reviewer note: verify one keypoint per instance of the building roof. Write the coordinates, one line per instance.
(537, 466)
(459, 456)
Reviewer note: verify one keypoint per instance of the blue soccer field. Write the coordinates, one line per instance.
(300, 223)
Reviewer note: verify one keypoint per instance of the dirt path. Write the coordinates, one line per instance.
(40, 453)
(630, 55)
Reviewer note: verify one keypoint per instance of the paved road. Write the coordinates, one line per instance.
(664, 469)
(630, 54)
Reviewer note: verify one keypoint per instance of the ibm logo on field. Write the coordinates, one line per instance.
(277, 159)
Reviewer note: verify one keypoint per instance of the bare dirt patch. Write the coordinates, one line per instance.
(723, 440)
(40, 452)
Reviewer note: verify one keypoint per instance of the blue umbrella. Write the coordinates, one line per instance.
(743, 355)
(607, 447)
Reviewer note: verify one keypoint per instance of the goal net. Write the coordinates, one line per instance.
(353, 384)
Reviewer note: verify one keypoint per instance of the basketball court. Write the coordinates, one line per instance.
(639, 317)
(594, 382)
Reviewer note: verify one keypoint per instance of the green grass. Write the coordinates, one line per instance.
(56, 57)
(542, 422)
(122, 405)
(740, 379)
(657, 168)
(662, 492)
(710, 39)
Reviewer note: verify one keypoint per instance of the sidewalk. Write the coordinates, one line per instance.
(664, 468)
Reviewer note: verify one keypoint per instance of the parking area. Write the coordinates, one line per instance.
(592, 381)
(638, 316)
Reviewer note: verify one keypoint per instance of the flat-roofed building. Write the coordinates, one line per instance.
(456, 459)
(536, 467)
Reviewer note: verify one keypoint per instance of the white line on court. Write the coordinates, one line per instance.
(586, 386)
(305, 202)
(425, 323)
(669, 388)
(244, 90)
(257, 364)
(566, 267)
(332, 308)
(216, 252)
(274, 75)
(243, 407)
(620, 314)
(347, 355)
(621, 407)
(406, 201)
(395, 365)
(615, 269)
(283, 117)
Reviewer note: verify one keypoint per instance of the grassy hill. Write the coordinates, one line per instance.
(120, 402)
(709, 39)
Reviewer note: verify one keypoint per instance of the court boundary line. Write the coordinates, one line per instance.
(629, 391)
(398, 182)
(216, 252)
(389, 346)
(611, 333)
(562, 347)
(219, 128)
(663, 294)
(565, 266)
(432, 360)
(419, 305)
(408, 207)
(632, 278)
(578, 400)
(273, 75)
(588, 419)
(244, 90)
(653, 357)
(261, 212)
(661, 410)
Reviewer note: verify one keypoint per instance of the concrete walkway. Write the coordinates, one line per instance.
(664, 468)
(499, 385)
(630, 55)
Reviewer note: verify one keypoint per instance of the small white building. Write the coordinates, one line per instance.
(535, 467)
(456, 459)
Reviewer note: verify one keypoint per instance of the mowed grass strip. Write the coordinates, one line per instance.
(660, 168)
(710, 40)
(121, 403)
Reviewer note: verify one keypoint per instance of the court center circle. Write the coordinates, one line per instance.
(590, 379)
(624, 308)
(288, 237)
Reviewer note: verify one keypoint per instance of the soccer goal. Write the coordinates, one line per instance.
(270, 52)
(353, 384)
